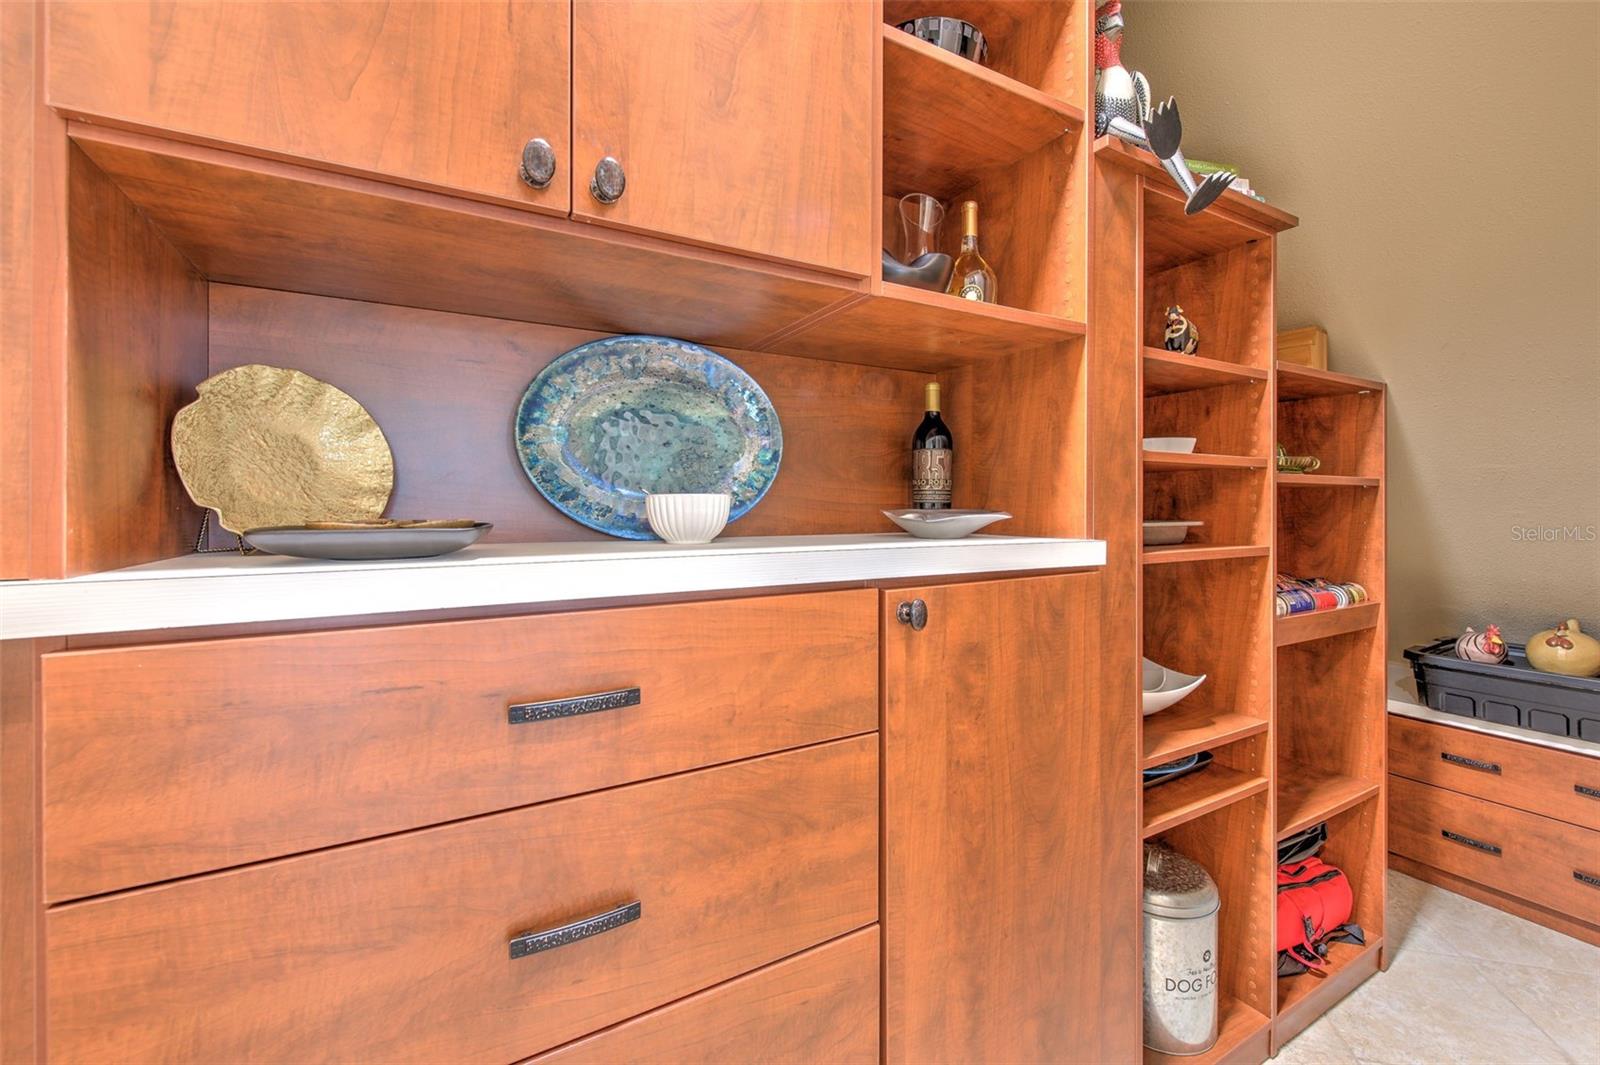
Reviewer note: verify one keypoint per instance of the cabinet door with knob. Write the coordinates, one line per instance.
(1008, 845)
(468, 96)
(738, 124)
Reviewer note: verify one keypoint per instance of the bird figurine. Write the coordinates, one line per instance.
(1122, 109)
(1181, 335)
(1486, 646)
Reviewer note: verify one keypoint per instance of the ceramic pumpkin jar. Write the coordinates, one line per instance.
(1565, 649)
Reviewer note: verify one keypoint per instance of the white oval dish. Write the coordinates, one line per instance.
(1164, 687)
(687, 517)
(1164, 533)
(943, 524)
(1180, 445)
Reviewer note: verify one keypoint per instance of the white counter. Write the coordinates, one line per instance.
(228, 589)
(1403, 701)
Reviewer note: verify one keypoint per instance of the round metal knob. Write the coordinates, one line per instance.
(609, 182)
(914, 613)
(538, 165)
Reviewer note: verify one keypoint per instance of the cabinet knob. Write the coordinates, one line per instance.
(609, 182)
(914, 613)
(538, 165)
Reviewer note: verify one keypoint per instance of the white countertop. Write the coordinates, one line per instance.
(1403, 701)
(228, 589)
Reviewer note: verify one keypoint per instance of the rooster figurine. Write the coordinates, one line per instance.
(1181, 335)
(1122, 109)
(1486, 646)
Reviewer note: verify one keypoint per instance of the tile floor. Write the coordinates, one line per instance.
(1466, 984)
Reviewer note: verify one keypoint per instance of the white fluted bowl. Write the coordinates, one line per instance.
(687, 517)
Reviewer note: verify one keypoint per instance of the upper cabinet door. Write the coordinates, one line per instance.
(740, 124)
(445, 94)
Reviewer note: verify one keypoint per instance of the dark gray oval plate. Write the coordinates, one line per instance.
(363, 545)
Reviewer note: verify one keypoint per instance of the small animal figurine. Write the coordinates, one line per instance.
(1486, 646)
(1565, 649)
(1181, 335)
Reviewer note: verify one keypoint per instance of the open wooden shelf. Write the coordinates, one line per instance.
(946, 118)
(1166, 372)
(245, 220)
(1187, 729)
(1172, 237)
(1307, 795)
(1320, 624)
(1163, 555)
(1170, 805)
(1237, 1024)
(1302, 999)
(914, 329)
(1303, 382)
(1167, 460)
(1325, 480)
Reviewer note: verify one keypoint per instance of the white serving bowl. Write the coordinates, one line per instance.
(1182, 445)
(943, 524)
(687, 517)
(1163, 686)
(1163, 533)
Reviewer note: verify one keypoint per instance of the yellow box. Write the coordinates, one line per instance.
(1304, 347)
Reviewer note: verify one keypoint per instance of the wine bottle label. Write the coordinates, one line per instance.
(972, 291)
(931, 476)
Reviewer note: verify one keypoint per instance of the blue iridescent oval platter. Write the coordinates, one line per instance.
(612, 420)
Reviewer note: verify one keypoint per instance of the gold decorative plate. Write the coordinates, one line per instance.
(264, 446)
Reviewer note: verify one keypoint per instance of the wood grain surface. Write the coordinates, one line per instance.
(820, 1006)
(759, 129)
(277, 744)
(1537, 855)
(445, 390)
(246, 220)
(1536, 779)
(995, 830)
(396, 950)
(434, 94)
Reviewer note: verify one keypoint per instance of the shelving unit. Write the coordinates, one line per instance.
(1205, 606)
(1330, 734)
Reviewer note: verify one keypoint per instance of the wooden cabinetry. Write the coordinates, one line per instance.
(1510, 822)
(736, 124)
(1000, 940)
(435, 94)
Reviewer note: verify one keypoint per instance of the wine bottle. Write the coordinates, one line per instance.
(932, 458)
(972, 279)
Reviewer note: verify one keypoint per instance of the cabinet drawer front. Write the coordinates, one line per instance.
(1547, 862)
(401, 949)
(434, 93)
(1543, 781)
(164, 761)
(820, 1006)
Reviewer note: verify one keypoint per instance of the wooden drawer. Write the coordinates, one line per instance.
(820, 1006)
(399, 949)
(1543, 781)
(1545, 861)
(162, 761)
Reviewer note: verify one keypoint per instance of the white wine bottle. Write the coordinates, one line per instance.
(972, 278)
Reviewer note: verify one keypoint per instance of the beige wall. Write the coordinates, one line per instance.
(1444, 159)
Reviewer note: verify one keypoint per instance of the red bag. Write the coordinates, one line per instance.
(1314, 902)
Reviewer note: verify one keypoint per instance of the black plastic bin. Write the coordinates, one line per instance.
(1513, 693)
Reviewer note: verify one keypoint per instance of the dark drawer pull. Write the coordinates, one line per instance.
(536, 942)
(1470, 763)
(523, 713)
(1586, 878)
(1476, 844)
(1584, 789)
